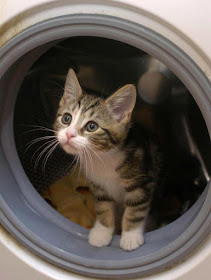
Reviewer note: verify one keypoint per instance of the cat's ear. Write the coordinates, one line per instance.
(72, 88)
(122, 102)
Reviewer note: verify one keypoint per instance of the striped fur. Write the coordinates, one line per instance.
(120, 158)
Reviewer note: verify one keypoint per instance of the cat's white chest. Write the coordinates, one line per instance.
(103, 173)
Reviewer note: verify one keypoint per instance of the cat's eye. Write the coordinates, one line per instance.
(66, 118)
(91, 126)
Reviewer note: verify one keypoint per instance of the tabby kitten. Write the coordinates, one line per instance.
(118, 157)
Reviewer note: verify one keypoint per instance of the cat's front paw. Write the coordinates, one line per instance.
(100, 235)
(131, 240)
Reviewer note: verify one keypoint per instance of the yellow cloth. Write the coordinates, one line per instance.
(72, 198)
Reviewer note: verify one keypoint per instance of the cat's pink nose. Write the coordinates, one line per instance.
(70, 134)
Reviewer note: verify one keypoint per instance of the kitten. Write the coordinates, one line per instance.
(118, 157)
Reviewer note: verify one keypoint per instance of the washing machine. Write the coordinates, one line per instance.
(36, 242)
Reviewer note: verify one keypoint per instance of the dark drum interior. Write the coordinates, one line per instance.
(164, 106)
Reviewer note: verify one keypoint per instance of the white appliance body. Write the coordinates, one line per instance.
(185, 23)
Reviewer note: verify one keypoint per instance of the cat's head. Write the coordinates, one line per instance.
(92, 123)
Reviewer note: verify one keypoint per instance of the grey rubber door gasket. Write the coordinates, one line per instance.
(28, 217)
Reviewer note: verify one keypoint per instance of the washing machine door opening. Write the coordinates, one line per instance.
(26, 215)
(102, 67)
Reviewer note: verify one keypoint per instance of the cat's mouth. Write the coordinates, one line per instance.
(70, 144)
(69, 147)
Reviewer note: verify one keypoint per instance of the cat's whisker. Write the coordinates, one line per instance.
(46, 124)
(82, 147)
(83, 160)
(83, 150)
(79, 160)
(87, 159)
(31, 143)
(98, 111)
(80, 164)
(48, 155)
(57, 85)
(37, 128)
(96, 155)
(72, 163)
(46, 143)
(90, 153)
(54, 95)
(92, 144)
(76, 158)
(42, 153)
(104, 152)
(91, 160)
(34, 130)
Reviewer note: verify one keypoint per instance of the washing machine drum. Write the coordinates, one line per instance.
(31, 86)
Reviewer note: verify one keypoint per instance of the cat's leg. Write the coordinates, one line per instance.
(102, 232)
(137, 202)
